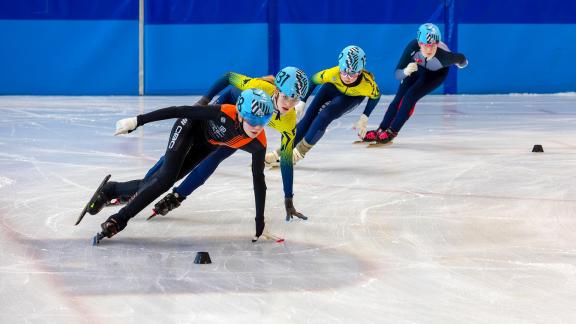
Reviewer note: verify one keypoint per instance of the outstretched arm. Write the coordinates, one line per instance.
(215, 89)
(127, 125)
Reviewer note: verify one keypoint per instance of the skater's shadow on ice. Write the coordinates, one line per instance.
(125, 265)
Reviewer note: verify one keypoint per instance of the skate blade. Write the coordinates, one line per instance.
(154, 214)
(374, 145)
(97, 238)
(85, 210)
(363, 142)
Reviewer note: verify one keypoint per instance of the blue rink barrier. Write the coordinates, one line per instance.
(91, 47)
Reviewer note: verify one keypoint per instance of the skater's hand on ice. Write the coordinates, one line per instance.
(361, 125)
(126, 125)
(299, 108)
(291, 211)
(410, 68)
(268, 236)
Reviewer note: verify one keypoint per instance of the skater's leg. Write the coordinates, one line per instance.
(324, 95)
(203, 170)
(200, 173)
(426, 83)
(155, 168)
(160, 182)
(337, 107)
(396, 102)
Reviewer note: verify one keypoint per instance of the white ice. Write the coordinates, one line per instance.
(456, 222)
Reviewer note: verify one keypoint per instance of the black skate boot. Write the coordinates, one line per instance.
(92, 205)
(166, 204)
(98, 202)
(110, 227)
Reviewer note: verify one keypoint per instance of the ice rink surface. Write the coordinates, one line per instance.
(456, 222)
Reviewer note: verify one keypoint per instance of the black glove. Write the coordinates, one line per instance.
(202, 101)
(169, 202)
(291, 211)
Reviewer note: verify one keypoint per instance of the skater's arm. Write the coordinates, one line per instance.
(286, 164)
(203, 171)
(317, 79)
(244, 82)
(193, 112)
(406, 59)
(216, 88)
(370, 105)
(448, 58)
(259, 188)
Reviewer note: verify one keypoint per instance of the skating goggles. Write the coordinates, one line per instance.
(288, 98)
(427, 45)
(346, 74)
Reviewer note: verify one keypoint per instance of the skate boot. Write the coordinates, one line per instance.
(94, 197)
(99, 201)
(169, 202)
(386, 136)
(300, 151)
(371, 136)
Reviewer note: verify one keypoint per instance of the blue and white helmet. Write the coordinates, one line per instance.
(255, 106)
(352, 59)
(429, 34)
(292, 82)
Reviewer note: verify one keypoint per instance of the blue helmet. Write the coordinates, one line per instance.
(255, 106)
(352, 59)
(429, 34)
(292, 82)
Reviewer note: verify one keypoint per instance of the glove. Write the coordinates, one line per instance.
(268, 236)
(463, 64)
(291, 211)
(203, 101)
(299, 108)
(272, 159)
(361, 125)
(169, 202)
(126, 125)
(410, 68)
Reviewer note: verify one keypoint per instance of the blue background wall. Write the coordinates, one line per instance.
(91, 46)
(69, 47)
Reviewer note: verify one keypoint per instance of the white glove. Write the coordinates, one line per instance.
(463, 65)
(361, 125)
(126, 125)
(268, 236)
(410, 68)
(299, 109)
(272, 159)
